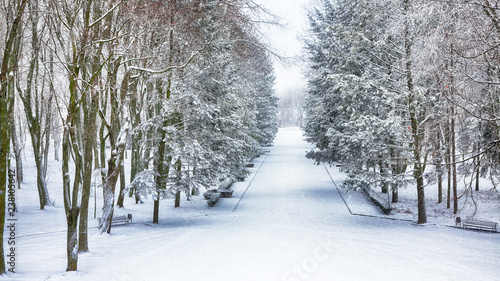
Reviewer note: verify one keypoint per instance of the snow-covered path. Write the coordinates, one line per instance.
(291, 224)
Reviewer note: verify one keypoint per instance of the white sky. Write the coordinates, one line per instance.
(286, 41)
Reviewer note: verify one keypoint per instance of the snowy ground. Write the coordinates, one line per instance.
(484, 205)
(286, 222)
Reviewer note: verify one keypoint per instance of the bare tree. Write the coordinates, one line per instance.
(37, 106)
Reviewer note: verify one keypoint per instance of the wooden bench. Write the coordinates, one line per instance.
(225, 193)
(249, 165)
(477, 224)
(213, 199)
(124, 219)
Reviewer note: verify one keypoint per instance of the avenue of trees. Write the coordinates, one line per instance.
(406, 87)
(185, 86)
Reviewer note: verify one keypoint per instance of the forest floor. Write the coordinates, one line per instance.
(287, 221)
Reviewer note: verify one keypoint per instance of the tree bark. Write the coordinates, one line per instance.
(90, 114)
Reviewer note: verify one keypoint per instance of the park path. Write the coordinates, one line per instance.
(292, 224)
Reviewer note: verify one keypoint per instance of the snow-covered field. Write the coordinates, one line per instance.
(287, 221)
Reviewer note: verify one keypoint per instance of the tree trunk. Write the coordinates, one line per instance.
(72, 239)
(114, 167)
(102, 144)
(395, 194)
(47, 130)
(160, 174)
(178, 167)
(16, 143)
(162, 170)
(55, 124)
(90, 114)
(422, 215)
(453, 164)
(439, 165)
(43, 193)
(177, 199)
(4, 154)
(440, 184)
(121, 195)
(71, 202)
(156, 209)
(478, 166)
(385, 186)
(102, 154)
(452, 135)
(448, 187)
(413, 110)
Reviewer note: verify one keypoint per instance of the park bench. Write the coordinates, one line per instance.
(249, 165)
(124, 219)
(477, 224)
(213, 198)
(224, 193)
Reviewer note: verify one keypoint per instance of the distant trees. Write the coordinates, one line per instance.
(291, 107)
(397, 84)
(185, 85)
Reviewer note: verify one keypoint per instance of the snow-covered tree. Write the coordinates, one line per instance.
(371, 102)
(351, 82)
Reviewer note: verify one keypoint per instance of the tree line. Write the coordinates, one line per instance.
(406, 90)
(186, 86)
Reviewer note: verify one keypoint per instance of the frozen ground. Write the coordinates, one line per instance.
(286, 222)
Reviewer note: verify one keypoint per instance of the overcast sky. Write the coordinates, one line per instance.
(287, 41)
